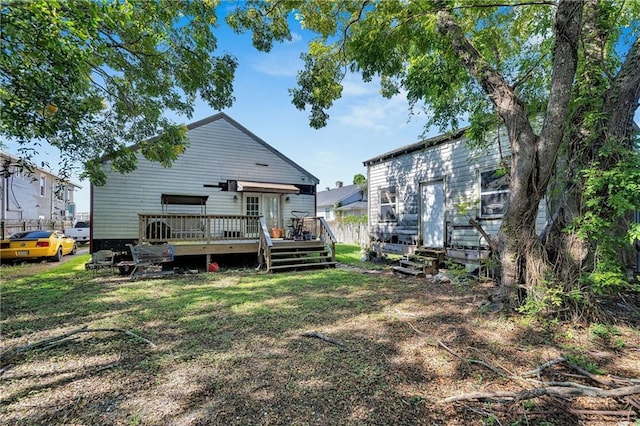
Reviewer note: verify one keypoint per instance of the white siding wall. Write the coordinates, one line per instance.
(21, 198)
(459, 167)
(219, 151)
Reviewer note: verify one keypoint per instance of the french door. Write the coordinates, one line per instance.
(267, 205)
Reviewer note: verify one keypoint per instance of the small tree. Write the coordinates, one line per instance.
(94, 77)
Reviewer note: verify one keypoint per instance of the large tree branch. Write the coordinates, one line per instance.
(568, 24)
(492, 82)
(622, 98)
(510, 108)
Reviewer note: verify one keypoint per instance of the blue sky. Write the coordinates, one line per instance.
(362, 123)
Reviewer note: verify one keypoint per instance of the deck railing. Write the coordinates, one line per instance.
(160, 228)
(157, 228)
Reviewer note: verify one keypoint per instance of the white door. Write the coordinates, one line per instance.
(252, 208)
(433, 209)
(271, 210)
(267, 205)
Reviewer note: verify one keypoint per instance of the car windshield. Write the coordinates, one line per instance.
(30, 235)
(81, 225)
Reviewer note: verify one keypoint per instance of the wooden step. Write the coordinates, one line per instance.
(423, 259)
(297, 253)
(308, 259)
(288, 244)
(412, 264)
(302, 266)
(408, 271)
(427, 264)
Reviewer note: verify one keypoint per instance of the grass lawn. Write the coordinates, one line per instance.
(356, 346)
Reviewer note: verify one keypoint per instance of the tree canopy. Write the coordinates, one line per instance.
(93, 78)
(359, 179)
(560, 76)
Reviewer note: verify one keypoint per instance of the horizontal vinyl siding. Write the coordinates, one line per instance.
(218, 152)
(459, 166)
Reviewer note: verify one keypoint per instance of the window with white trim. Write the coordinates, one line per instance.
(494, 190)
(388, 204)
(43, 184)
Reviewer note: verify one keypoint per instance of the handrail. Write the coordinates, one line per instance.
(330, 242)
(326, 228)
(264, 245)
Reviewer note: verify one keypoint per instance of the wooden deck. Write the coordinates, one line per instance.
(212, 235)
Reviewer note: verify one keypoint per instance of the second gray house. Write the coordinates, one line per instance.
(423, 195)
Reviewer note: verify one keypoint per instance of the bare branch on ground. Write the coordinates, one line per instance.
(321, 336)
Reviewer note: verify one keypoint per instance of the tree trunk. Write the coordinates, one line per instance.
(616, 101)
(532, 158)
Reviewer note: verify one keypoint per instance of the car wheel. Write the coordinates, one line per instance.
(58, 256)
(74, 250)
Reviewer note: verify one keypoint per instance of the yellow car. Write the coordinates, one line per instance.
(37, 244)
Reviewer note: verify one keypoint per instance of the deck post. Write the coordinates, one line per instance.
(208, 262)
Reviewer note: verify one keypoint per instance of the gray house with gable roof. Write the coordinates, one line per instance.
(226, 171)
(343, 200)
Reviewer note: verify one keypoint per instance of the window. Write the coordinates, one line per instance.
(253, 205)
(388, 205)
(43, 182)
(494, 189)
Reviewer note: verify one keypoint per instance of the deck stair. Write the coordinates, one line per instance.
(289, 255)
(422, 262)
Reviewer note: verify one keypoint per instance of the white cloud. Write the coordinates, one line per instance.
(277, 66)
(352, 85)
(295, 37)
(375, 112)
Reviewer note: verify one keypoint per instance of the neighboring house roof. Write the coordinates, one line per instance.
(14, 161)
(417, 146)
(337, 195)
(358, 205)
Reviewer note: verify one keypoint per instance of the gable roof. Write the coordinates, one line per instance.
(417, 146)
(337, 195)
(358, 205)
(234, 123)
(8, 160)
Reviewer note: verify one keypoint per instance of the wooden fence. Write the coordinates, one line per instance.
(350, 233)
(8, 227)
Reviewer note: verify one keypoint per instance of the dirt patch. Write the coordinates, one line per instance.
(236, 348)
